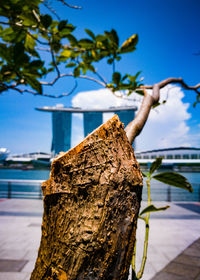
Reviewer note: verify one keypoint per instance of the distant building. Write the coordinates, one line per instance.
(61, 136)
(170, 153)
(92, 118)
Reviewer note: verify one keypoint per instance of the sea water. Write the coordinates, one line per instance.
(159, 191)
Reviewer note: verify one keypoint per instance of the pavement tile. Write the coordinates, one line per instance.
(190, 206)
(192, 251)
(198, 277)
(196, 245)
(168, 276)
(147, 276)
(182, 270)
(29, 267)
(14, 276)
(31, 255)
(186, 259)
(168, 238)
(12, 265)
(12, 254)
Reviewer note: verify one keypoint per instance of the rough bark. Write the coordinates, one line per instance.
(91, 204)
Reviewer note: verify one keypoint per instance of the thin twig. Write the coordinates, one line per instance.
(43, 49)
(100, 77)
(54, 61)
(174, 81)
(72, 75)
(46, 4)
(29, 33)
(70, 6)
(22, 91)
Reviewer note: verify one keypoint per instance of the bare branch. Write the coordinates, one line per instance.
(70, 6)
(47, 5)
(175, 81)
(72, 75)
(54, 61)
(43, 49)
(134, 128)
(22, 91)
(100, 77)
(29, 33)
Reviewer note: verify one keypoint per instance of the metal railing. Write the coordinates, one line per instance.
(11, 188)
(161, 192)
(32, 189)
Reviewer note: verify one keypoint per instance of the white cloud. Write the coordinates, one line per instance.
(166, 125)
(97, 99)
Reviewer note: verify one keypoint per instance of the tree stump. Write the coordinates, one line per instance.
(91, 204)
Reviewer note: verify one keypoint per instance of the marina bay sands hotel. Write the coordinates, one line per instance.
(92, 118)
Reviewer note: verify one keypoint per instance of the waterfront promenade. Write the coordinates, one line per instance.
(171, 232)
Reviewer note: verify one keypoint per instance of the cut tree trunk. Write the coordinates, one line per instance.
(91, 204)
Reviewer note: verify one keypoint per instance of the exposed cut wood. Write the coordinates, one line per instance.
(91, 203)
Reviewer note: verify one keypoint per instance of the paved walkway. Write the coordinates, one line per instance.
(185, 266)
(171, 232)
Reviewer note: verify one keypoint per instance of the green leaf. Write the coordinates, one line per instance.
(77, 72)
(156, 105)
(109, 85)
(29, 42)
(116, 78)
(155, 165)
(129, 44)
(46, 20)
(86, 43)
(118, 58)
(125, 77)
(110, 60)
(132, 78)
(137, 74)
(34, 83)
(140, 91)
(112, 35)
(90, 33)
(66, 53)
(144, 174)
(7, 34)
(91, 68)
(67, 30)
(73, 41)
(36, 63)
(62, 24)
(18, 53)
(174, 179)
(71, 64)
(100, 38)
(152, 208)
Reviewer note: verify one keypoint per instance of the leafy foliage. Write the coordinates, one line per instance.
(152, 208)
(174, 179)
(169, 178)
(24, 31)
(155, 165)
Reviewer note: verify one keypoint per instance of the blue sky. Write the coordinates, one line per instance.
(169, 35)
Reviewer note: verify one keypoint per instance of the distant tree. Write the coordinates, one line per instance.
(26, 33)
